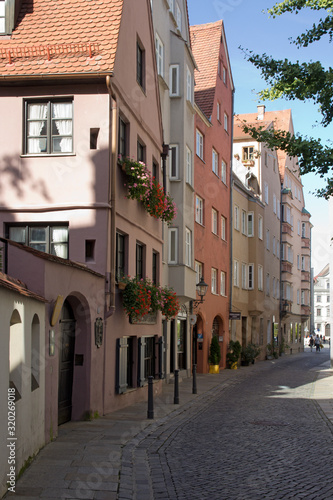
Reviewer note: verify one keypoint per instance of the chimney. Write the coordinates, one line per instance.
(261, 111)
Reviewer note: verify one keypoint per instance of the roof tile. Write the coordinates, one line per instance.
(205, 42)
(60, 24)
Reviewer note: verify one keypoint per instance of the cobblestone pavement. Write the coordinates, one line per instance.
(263, 431)
(261, 437)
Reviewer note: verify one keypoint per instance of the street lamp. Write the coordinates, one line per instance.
(201, 289)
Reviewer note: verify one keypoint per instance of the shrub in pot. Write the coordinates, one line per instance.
(234, 353)
(214, 355)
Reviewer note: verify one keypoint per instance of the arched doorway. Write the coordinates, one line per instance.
(66, 363)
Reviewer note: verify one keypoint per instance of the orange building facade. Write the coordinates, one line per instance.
(213, 142)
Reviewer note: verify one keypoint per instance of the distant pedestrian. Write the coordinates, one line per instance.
(317, 343)
(311, 342)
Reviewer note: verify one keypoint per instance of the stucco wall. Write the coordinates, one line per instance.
(18, 353)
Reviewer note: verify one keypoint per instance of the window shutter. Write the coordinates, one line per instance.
(121, 375)
(141, 363)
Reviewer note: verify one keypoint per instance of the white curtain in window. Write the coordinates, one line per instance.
(59, 237)
(63, 114)
(37, 113)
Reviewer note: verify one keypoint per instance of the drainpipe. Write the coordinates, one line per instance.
(110, 308)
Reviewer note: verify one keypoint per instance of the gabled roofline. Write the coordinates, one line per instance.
(224, 41)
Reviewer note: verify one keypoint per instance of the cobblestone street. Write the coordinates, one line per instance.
(260, 432)
(260, 437)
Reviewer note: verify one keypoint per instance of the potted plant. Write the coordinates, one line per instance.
(234, 354)
(249, 354)
(214, 355)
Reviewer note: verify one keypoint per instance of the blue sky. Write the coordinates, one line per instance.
(247, 26)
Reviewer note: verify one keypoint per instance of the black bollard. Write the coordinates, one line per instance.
(150, 412)
(194, 386)
(176, 395)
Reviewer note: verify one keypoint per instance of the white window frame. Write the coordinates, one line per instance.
(174, 162)
(236, 273)
(199, 146)
(250, 224)
(159, 47)
(266, 198)
(173, 236)
(188, 247)
(3, 18)
(223, 228)
(223, 281)
(274, 203)
(226, 122)
(224, 172)
(260, 278)
(215, 162)
(199, 207)
(214, 221)
(260, 227)
(189, 168)
(178, 17)
(174, 80)
(236, 217)
(189, 85)
(273, 245)
(214, 281)
(244, 220)
(218, 111)
(198, 270)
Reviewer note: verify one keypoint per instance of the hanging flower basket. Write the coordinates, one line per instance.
(143, 187)
(141, 297)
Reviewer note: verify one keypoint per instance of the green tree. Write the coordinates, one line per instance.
(302, 81)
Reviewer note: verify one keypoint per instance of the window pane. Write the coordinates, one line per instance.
(60, 250)
(17, 234)
(2, 8)
(59, 234)
(37, 146)
(62, 110)
(62, 144)
(38, 234)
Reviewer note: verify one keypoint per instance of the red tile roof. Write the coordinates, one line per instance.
(17, 286)
(205, 42)
(281, 120)
(62, 37)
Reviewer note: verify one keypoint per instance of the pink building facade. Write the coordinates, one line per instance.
(72, 110)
